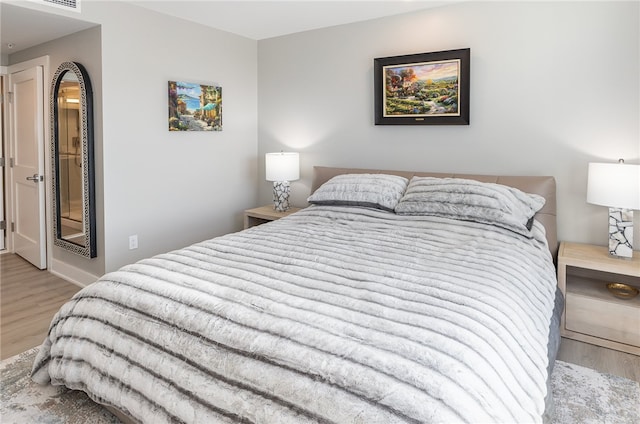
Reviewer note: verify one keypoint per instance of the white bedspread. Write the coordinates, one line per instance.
(334, 314)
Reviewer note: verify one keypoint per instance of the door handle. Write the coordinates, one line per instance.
(36, 178)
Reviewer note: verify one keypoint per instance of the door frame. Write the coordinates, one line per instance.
(8, 193)
(3, 136)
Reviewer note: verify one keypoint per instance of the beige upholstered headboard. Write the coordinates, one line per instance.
(541, 185)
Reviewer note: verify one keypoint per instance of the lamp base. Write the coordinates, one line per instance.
(621, 232)
(281, 190)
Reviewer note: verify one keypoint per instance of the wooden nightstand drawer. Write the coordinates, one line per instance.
(592, 314)
(585, 315)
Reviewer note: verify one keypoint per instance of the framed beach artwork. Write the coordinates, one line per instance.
(194, 107)
(422, 89)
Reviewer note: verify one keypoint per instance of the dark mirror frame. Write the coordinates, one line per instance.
(88, 185)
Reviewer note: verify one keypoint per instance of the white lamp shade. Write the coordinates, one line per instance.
(282, 166)
(616, 185)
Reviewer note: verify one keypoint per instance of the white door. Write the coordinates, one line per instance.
(26, 113)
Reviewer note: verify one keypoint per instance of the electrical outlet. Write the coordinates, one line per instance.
(133, 242)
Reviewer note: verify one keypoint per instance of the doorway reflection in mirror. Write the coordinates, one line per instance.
(70, 159)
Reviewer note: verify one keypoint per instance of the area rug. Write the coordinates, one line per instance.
(24, 401)
(582, 396)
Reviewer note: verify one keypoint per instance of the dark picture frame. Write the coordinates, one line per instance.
(423, 89)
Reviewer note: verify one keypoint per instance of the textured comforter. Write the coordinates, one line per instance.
(334, 314)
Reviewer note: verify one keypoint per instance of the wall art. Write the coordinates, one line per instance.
(422, 89)
(194, 107)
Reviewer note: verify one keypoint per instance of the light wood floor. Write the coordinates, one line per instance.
(600, 358)
(30, 298)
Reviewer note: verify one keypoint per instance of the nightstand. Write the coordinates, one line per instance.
(257, 216)
(592, 314)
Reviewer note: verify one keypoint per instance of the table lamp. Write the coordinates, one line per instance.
(281, 168)
(616, 185)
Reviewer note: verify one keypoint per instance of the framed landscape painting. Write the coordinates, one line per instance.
(194, 107)
(422, 89)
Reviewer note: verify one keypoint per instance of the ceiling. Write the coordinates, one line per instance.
(266, 19)
(26, 27)
(21, 28)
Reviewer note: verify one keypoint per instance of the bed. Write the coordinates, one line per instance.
(376, 304)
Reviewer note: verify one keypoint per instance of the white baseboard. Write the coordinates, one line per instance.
(70, 273)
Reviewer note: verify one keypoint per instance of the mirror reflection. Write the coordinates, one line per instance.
(72, 158)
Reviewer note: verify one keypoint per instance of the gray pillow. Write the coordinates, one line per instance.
(380, 191)
(471, 200)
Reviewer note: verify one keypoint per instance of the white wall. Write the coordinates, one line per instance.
(554, 85)
(170, 189)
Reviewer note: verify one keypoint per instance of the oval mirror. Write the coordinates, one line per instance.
(72, 160)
